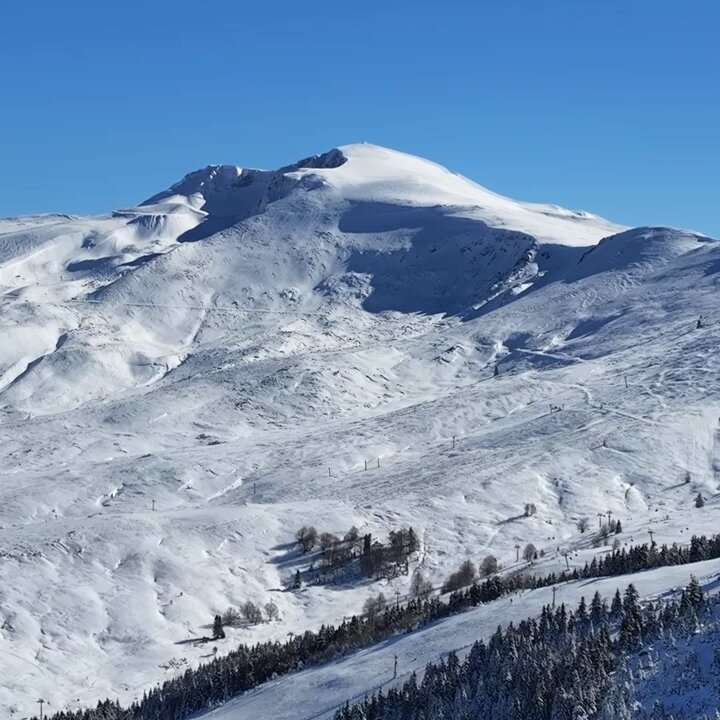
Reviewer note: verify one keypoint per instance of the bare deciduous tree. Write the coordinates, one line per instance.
(489, 565)
(327, 540)
(271, 610)
(352, 535)
(464, 575)
(307, 537)
(231, 618)
(374, 605)
(252, 612)
(419, 586)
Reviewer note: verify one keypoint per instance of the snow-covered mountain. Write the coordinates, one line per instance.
(186, 382)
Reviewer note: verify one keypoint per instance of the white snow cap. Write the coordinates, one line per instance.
(367, 173)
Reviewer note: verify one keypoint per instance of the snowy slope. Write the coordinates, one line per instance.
(317, 692)
(236, 348)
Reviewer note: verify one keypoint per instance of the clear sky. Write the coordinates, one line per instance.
(607, 105)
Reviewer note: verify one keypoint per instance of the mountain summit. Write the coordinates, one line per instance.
(370, 174)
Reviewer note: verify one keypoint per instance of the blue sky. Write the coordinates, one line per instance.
(603, 105)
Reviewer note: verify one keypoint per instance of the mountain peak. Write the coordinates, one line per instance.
(372, 175)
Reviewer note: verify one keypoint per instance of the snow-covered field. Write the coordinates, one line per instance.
(185, 383)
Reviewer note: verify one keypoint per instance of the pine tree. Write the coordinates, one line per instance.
(581, 612)
(631, 598)
(692, 597)
(598, 608)
(412, 541)
(631, 625)
(218, 632)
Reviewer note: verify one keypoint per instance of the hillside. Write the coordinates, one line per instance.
(316, 693)
(184, 383)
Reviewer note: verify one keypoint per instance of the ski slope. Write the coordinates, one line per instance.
(185, 383)
(317, 692)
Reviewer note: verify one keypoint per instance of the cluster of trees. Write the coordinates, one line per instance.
(374, 605)
(651, 555)
(612, 527)
(622, 561)
(464, 575)
(249, 613)
(467, 573)
(385, 560)
(563, 665)
(309, 539)
(372, 558)
(248, 666)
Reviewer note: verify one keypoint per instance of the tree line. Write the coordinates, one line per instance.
(620, 561)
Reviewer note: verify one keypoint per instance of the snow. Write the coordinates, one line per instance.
(237, 347)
